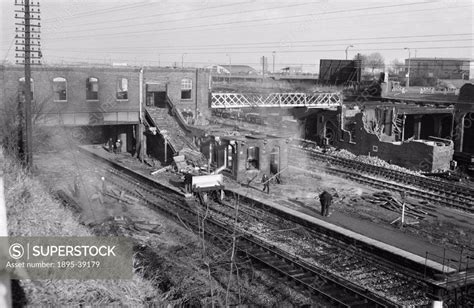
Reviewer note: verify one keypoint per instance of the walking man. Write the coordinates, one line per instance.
(266, 183)
(325, 198)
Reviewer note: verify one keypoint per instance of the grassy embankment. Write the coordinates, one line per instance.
(32, 211)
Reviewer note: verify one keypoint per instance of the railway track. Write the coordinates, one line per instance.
(434, 191)
(321, 285)
(373, 273)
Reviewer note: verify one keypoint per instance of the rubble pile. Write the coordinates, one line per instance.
(372, 160)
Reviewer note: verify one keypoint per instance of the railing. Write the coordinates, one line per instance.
(151, 123)
(181, 122)
(282, 100)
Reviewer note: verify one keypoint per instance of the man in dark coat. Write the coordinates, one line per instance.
(266, 183)
(110, 145)
(188, 180)
(325, 198)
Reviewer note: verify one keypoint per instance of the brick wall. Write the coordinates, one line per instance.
(416, 155)
(108, 77)
(173, 77)
(43, 93)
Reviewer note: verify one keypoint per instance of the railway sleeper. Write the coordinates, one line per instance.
(280, 264)
(339, 297)
(318, 299)
(267, 259)
(302, 275)
(290, 269)
(360, 303)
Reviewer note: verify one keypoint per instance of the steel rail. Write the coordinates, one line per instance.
(339, 292)
(423, 192)
(432, 184)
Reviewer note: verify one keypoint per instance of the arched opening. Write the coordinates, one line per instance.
(275, 162)
(122, 89)
(230, 158)
(60, 89)
(468, 139)
(186, 88)
(92, 88)
(330, 132)
(253, 158)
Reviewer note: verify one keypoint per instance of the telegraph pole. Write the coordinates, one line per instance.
(28, 48)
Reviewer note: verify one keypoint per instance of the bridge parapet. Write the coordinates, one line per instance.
(282, 100)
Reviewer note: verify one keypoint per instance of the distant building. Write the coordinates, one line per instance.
(232, 69)
(439, 68)
(292, 70)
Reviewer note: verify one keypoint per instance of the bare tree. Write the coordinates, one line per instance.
(396, 66)
(371, 61)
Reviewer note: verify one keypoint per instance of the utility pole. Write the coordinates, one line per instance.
(182, 60)
(230, 67)
(28, 48)
(408, 73)
(273, 58)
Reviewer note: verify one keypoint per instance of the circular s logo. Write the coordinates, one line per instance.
(16, 251)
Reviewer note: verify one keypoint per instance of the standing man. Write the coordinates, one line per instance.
(325, 198)
(188, 179)
(266, 183)
(110, 145)
(118, 144)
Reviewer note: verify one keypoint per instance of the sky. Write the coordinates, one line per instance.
(198, 33)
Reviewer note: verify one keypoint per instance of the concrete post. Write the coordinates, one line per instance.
(166, 150)
(124, 145)
(140, 138)
(459, 134)
(403, 127)
(5, 288)
(417, 128)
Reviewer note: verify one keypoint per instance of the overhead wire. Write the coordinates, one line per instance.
(234, 22)
(290, 51)
(95, 50)
(100, 11)
(121, 20)
(196, 62)
(292, 44)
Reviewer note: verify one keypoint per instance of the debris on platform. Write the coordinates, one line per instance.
(194, 157)
(167, 168)
(391, 203)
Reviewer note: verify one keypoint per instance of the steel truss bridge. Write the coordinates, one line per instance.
(282, 100)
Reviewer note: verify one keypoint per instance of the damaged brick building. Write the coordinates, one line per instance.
(411, 136)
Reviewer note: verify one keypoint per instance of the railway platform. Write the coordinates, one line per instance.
(392, 244)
